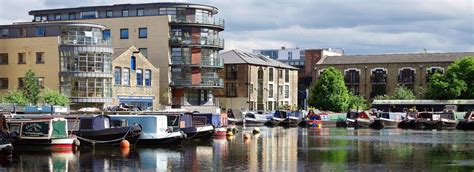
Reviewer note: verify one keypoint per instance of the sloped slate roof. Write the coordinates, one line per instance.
(240, 57)
(395, 58)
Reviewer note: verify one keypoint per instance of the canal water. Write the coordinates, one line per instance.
(275, 149)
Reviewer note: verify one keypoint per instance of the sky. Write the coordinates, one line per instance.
(358, 27)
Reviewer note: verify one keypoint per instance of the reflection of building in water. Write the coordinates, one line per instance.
(159, 159)
(108, 160)
(280, 149)
(197, 158)
(220, 153)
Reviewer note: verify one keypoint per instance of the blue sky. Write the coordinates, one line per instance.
(360, 27)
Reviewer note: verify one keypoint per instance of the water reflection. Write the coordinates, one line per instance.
(275, 149)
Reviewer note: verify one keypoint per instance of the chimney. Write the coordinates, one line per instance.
(282, 47)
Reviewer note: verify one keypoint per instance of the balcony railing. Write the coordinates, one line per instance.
(84, 40)
(197, 40)
(205, 62)
(191, 19)
(205, 82)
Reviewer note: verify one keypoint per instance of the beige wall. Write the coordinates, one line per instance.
(156, 42)
(365, 87)
(245, 71)
(49, 70)
(122, 61)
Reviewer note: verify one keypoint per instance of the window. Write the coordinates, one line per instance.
(280, 90)
(432, 70)
(290, 55)
(147, 77)
(89, 14)
(144, 51)
(231, 89)
(231, 72)
(142, 33)
(106, 34)
(140, 12)
(280, 74)
(124, 13)
(21, 58)
(21, 82)
(40, 31)
(287, 75)
(39, 57)
(5, 33)
(109, 13)
(270, 90)
(4, 58)
(270, 106)
(251, 88)
(57, 16)
(22, 32)
(41, 82)
(3, 83)
(72, 16)
(118, 75)
(139, 77)
(133, 63)
(41, 18)
(287, 91)
(270, 74)
(126, 76)
(123, 33)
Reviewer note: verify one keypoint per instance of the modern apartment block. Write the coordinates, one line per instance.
(372, 75)
(256, 83)
(72, 57)
(135, 80)
(181, 39)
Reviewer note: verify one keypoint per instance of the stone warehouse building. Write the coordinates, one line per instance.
(72, 57)
(180, 39)
(255, 82)
(135, 80)
(372, 75)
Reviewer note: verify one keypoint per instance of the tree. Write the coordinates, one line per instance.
(330, 92)
(357, 102)
(54, 97)
(15, 97)
(443, 87)
(31, 89)
(400, 93)
(463, 69)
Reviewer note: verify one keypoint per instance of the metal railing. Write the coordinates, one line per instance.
(197, 40)
(191, 19)
(205, 62)
(84, 40)
(205, 82)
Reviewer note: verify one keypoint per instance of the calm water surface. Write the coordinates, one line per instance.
(276, 149)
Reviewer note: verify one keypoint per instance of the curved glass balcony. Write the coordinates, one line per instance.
(192, 19)
(204, 82)
(85, 40)
(205, 62)
(197, 40)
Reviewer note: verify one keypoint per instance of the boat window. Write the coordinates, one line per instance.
(14, 128)
(106, 122)
(86, 124)
(250, 115)
(385, 115)
(173, 120)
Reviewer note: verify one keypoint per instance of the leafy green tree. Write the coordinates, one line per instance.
(54, 97)
(330, 92)
(463, 69)
(357, 102)
(15, 97)
(444, 87)
(402, 93)
(31, 88)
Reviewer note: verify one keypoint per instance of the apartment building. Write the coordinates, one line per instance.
(180, 39)
(255, 82)
(72, 57)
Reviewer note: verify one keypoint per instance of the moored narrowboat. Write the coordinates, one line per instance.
(6, 147)
(467, 123)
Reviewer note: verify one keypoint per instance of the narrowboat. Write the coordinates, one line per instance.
(276, 119)
(218, 121)
(155, 129)
(385, 120)
(357, 119)
(195, 127)
(467, 123)
(41, 132)
(291, 119)
(99, 130)
(256, 119)
(437, 120)
(409, 121)
(232, 118)
(314, 119)
(5, 139)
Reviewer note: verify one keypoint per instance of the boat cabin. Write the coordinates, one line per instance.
(39, 128)
(98, 122)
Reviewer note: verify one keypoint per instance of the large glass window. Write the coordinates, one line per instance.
(140, 12)
(287, 91)
(41, 18)
(106, 34)
(139, 77)
(142, 33)
(57, 16)
(118, 75)
(4, 32)
(72, 16)
(4, 58)
(126, 76)
(231, 89)
(39, 57)
(231, 72)
(270, 90)
(21, 58)
(290, 55)
(124, 13)
(109, 14)
(378, 81)
(270, 74)
(40, 31)
(133, 62)
(90, 87)
(123, 33)
(147, 77)
(287, 75)
(3, 83)
(89, 14)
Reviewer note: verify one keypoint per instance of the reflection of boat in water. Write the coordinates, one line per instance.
(45, 160)
(467, 123)
(155, 129)
(41, 132)
(98, 130)
(386, 120)
(156, 159)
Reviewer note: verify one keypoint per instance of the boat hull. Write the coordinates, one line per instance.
(172, 140)
(289, 122)
(110, 136)
(203, 132)
(6, 150)
(407, 124)
(465, 125)
(56, 145)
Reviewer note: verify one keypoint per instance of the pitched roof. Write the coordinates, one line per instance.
(240, 57)
(395, 58)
